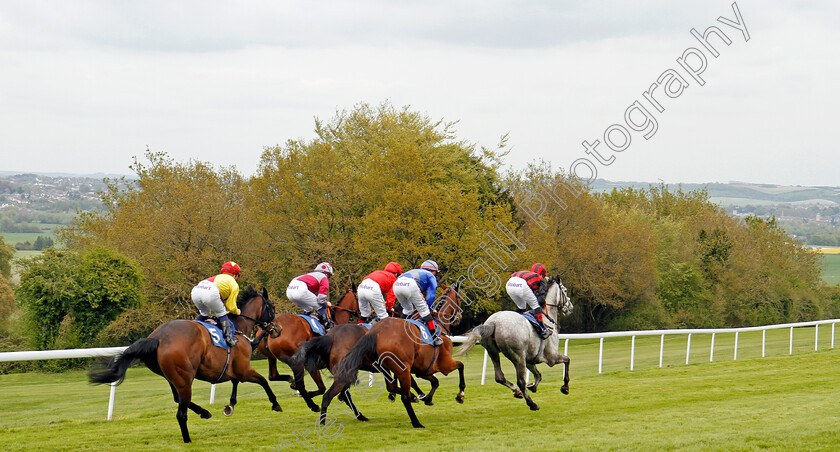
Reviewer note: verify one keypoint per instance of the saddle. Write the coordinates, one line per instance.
(314, 324)
(538, 327)
(216, 333)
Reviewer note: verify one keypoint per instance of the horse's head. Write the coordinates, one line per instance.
(448, 306)
(257, 306)
(558, 296)
(348, 304)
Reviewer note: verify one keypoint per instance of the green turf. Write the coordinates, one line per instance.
(779, 402)
(831, 271)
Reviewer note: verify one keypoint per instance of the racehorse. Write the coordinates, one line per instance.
(325, 352)
(510, 333)
(182, 350)
(346, 307)
(391, 346)
(296, 331)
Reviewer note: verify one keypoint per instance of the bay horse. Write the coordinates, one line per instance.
(294, 332)
(511, 334)
(182, 350)
(391, 348)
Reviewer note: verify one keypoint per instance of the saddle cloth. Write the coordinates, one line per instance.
(216, 334)
(425, 335)
(534, 322)
(314, 324)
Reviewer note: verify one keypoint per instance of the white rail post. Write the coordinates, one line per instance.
(111, 400)
(528, 375)
(632, 352)
(832, 334)
(791, 341)
(736, 346)
(816, 336)
(566, 350)
(712, 353)
(484, 367)
(661, 349)
(763, 341)
(688, 348)
(212, 393)
(601, 356)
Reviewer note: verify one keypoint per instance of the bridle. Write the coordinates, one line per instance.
(443, 325)
(559, 306)
(266, 318)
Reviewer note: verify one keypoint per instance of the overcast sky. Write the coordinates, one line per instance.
(87, 85)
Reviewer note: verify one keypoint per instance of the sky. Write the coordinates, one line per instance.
(85, 86)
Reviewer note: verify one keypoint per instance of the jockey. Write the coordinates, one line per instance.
(217, 295)
(409, 290)
(528, 289)
(311, 292)
(376, 291)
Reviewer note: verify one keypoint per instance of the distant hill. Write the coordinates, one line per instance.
(743, 193)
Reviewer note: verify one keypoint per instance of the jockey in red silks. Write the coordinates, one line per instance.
(410, 288)
(376, 293)
(217, 295)
(311, 293)
(528, 289)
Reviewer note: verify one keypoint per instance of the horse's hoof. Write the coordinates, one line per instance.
(459, 398)
(362, 418)
(277, 408)
(392, 397)
(315, 408)
(565, 390)
(414, 398)
(206, 415)
(517, 394)
(532, 388)
(417, 425)
(534, 407)
(428, 402)
(228, 410)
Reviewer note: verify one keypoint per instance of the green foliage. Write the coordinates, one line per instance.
(6, 254)
(70, 296)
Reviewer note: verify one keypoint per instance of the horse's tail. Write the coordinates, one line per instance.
(313, 354)
(477, 334)
(348, 367)
(114, 370)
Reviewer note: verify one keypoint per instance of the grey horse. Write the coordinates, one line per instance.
(510, 333)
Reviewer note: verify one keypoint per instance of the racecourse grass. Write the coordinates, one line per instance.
(831, 268)
(779, 402)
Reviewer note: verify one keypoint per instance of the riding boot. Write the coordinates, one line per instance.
(430, 323)
(324, 317)
(545, 331)
(228, 329)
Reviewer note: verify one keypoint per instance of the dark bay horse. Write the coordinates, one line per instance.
(294, 332)
(509, 333)
(182, 350)
(391, 346)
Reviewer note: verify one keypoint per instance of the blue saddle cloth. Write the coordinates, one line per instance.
(425, 335)
(216, 334)
(534, 322)
(314, 324)
(366, 325)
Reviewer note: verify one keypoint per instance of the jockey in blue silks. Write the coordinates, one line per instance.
(410, 288)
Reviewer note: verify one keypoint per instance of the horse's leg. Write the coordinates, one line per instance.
(537, 378)
(461, 383)
(520, 366)
(252, 376)
(565, 388)
(316, 376)
(298, 372)
(336, 389)
(427, 398)
(228, 410)
(416, 387)
(404, 378)
(348, 399)
(184, 398)
(197, 409)
(500, 376)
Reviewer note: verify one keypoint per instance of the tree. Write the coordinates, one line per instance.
(7, 252)
(81, 292)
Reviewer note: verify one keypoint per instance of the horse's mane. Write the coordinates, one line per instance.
(245, 296)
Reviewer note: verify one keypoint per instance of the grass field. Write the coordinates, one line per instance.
(779, 402)
(831, 273)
